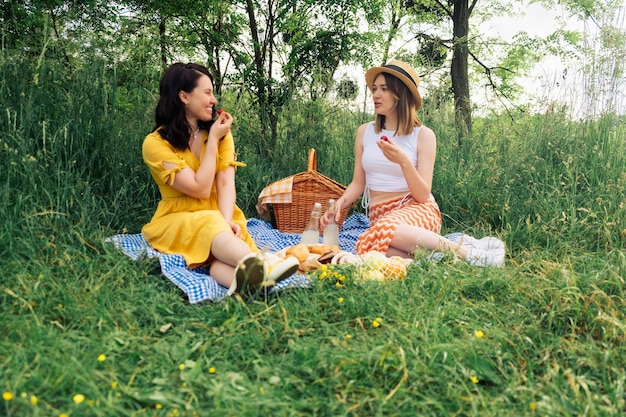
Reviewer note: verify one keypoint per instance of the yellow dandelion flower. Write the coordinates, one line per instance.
(340, 300)
(348, 336)
(338, 284)
(78, 398)
(212, 370)
(34, 400)
(479, 334)
(184, 384)
(181, 366)
(532, 406)
(23, 394)
(7, 396)
(63, 415)
(474, 379)
(102, 357)
(158, 406)
(114, 384)
(261, 390)
(376, 322)
(325, 272)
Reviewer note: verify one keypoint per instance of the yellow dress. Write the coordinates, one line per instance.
(182, 224)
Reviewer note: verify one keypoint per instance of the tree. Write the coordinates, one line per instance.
(409, 16)
(295, 47)
(603, 53)
(66, 26)
(499, 69)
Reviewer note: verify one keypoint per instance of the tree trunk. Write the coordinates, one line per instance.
(162, 42)
(264, 95)
(459, 70)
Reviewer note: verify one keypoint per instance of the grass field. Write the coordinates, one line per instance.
(89, 332)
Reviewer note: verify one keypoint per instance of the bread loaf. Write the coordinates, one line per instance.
(299, 251)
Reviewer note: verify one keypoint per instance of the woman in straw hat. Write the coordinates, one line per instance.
(394, 163)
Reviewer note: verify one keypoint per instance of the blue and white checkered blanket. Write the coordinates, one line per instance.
(198, 285)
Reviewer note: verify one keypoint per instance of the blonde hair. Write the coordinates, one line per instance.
(405, 104)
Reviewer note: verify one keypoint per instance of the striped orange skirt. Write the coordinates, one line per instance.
(386, 217)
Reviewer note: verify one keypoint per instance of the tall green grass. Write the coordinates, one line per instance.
(543, 336)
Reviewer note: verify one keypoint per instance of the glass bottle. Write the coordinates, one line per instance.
(311, 233)
(331, 231)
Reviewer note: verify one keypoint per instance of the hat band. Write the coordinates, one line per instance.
(403, 72)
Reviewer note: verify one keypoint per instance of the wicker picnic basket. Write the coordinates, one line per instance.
(308, 188)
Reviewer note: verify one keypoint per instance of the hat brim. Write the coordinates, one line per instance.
(372, 73)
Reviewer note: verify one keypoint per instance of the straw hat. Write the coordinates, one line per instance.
(401, 70)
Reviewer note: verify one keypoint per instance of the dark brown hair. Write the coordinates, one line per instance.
(170, 111)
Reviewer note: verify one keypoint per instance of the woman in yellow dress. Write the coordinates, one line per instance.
(192, 159)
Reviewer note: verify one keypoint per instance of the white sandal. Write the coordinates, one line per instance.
(277, 269)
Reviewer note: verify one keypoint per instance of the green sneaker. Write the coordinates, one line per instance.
(249, 273)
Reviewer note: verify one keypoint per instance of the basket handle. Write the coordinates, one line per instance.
(312, 160)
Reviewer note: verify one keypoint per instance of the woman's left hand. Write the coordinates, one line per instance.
(391, 151)
(235, 228)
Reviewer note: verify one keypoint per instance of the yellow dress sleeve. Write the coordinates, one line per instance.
(226, 155)
(155, 151)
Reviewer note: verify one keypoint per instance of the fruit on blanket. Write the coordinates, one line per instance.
(392, 269)
(376, 260)
(395, 268)
(365, 272)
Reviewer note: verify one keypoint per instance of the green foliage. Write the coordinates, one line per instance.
(550, 180)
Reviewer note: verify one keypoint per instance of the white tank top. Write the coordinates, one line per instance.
(380, 173)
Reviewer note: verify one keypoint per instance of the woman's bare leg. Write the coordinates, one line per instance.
(409, 238)
(391, 251)
(223, 273)
(227, 250)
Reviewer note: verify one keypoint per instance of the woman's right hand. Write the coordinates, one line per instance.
(325, 218)
(222, 124)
